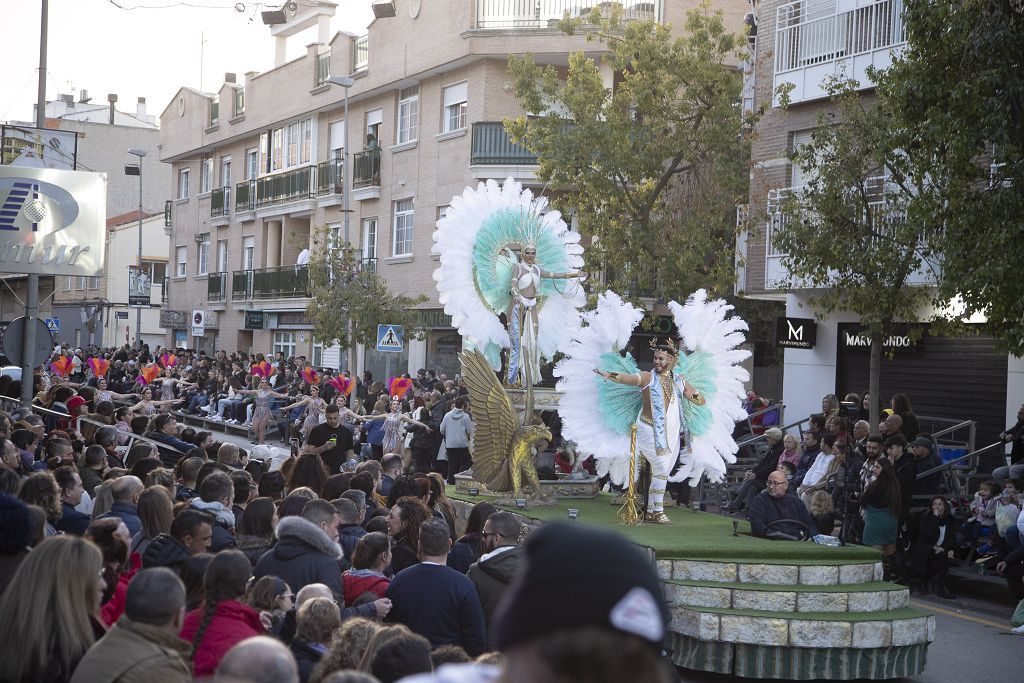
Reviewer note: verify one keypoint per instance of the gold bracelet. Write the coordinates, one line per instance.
(613, 375)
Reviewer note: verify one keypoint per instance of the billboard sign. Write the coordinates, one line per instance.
(140, 286)
(52, 222)
(26, 146)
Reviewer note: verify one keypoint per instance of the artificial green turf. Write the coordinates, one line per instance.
(695, 535)
(796, 588)
(886, 615)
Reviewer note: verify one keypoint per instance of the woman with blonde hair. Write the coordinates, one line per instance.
(820, 507)
(790, 451)
(50, 610)
(347, 647)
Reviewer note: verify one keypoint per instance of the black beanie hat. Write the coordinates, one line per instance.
(579, 576)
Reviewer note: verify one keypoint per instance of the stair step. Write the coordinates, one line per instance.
(875, 596)
(779, 574)
(888, 628)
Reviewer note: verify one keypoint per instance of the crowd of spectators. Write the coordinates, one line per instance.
(135, 548)
(840, 479)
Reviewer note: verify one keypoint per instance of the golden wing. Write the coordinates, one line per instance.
(495, 422)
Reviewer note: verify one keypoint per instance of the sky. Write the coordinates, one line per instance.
(149, 51)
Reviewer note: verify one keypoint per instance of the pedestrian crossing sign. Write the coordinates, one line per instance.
(390, 338)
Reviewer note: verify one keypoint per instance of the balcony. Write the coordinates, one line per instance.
(330, 177)
(513, 14)
(366, 169)
(245, 196)
(826, 39)
(491, 146)
(368, 264)
(886, 218)
(216, 287)
(284, 187)
(282, 282)
(220, 202)
(360, 53)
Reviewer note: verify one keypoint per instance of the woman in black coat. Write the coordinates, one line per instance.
(935, 536)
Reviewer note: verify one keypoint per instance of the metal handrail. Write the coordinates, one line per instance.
(956, 461)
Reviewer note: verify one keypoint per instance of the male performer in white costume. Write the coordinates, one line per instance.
(661, 423)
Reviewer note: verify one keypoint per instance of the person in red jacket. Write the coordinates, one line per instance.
(222, 621)
(371, 556)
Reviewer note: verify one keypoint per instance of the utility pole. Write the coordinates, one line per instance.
(32, 284)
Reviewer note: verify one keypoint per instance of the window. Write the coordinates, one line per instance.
(277, 149)
(205, 174)
(318, 355)
(157, 271)
(248, 251)
(291, 145)
(338, 136)
(222, 256)
(225, 171)
(180, 259)
(203, 255)
(239, 101)
(94, 282)
(454, 108)
(252, 164)
(81, 283)
(799, 139)
(214, 111)
(183, 183)
(67, 284)
(323, 68)
(408, 114)
(401, 244)
(369, 238)
(373, 120)
(284, 342)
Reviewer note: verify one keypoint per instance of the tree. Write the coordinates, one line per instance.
(956, 101)
(860, 229)
(348, 298)
(657, 163)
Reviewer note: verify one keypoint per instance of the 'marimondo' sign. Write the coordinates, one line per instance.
(796, 333)
(52, 221)
(853, 336)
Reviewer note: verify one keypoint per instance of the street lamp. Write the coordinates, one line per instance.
(136, 169)
(346, 83)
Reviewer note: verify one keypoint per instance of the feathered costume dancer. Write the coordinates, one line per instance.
(618, 413)
(481, 277)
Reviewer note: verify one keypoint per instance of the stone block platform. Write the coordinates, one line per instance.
(753, 608)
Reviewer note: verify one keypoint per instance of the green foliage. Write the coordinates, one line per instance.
(955, 98)
(657, 164)
(859, 229)
(344, 289)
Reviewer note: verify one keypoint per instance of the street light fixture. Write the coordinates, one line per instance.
(136, 169)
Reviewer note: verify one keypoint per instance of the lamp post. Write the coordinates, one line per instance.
(137, 170)
(346, 83)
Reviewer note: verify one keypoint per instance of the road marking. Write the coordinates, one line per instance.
(950, 613)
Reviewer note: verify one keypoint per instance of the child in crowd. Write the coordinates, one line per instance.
(983, 515)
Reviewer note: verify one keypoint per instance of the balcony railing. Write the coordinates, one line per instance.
(329, 177)
(282, 282)
(497, 14)
(285, 187)
(816, 39)
(216, 287)
(220, 202)
(368, 264)
(366, 168)
(360, 53)
(492, 146)
(245, 196)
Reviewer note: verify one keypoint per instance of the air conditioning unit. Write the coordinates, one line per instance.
(383, 9)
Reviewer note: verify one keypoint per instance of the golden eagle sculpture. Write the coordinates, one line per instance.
(502, 445)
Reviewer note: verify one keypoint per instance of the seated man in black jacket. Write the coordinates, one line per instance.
(772, 505)
(756, 479)
(164, 430)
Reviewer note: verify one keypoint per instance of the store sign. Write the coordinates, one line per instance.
(254, 320)
(432, 319)
(853, 336)
(173, 320)
(292, 319)
(796, 333)
(52, 222)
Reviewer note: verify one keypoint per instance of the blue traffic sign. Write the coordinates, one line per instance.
(390, 338)
(53, 324)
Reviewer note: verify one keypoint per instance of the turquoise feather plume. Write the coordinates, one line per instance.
(619, 404)
(699, 372)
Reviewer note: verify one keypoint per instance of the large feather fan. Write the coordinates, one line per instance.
(474, 278)
(711, 364)
(598, 414)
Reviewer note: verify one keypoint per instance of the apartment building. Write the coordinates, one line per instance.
(801, 43)
(259, 166)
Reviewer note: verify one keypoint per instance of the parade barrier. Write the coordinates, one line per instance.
(755, 608)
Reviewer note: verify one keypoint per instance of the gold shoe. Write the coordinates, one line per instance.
(657, 518)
